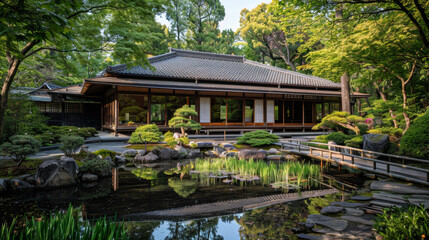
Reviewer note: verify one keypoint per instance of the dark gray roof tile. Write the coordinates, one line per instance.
(183, 64)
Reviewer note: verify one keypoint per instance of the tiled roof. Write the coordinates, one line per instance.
(183, 64)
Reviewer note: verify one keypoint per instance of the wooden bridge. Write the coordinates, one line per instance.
(393, 166)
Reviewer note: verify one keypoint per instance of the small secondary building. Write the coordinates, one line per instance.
(228, 92)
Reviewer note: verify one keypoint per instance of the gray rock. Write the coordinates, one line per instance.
(275, 157)
(228, 146)
(223, 154)
(323, 230)
(419, 202)
(19, 185)
(357, 220)
(331, 210)
(385, 204)
(311, 237)
(204, 144)
(348, 204)
(23, 177)
(361, 198)
(141, 152)
(273, 151)
(129, 153)
(150, 157)
(291, 157)
(194, 153)
(3, 185)
(109, 159)
(165, 154)
(87, 177)
(57, 173)
(354, 212)
(119, 159)
(332, 148)
(231, 155)
(31, 179)
(218, 150)
(248, 154)
(176, 136)
(332, 223)
(389, 197)
(375, 142)
(397, 188)
(182, 151)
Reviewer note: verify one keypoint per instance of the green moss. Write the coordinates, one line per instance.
(104, 153)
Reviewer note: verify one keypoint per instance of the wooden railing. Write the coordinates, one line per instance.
(346, 151)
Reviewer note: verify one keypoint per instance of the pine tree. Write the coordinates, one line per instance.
(182, 118)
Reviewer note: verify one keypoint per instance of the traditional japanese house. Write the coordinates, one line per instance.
(228, 92)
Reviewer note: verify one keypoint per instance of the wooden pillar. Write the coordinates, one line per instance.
(345, 94)
(149, 109)
(116, 111)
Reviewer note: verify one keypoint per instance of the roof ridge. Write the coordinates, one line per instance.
(161, 57)
(116, 67)
(287, 71)
(207, 55)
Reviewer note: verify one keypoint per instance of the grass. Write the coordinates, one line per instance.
(63, 226)
(291, 171)
(8, 169)
(150, 147)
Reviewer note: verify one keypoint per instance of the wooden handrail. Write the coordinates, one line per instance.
(362, 150)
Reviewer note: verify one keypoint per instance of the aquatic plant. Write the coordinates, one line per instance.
(146, 173)
(291, 171)
(410, 222)
(64, 226)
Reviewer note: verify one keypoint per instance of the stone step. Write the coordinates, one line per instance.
(357, 220)
(384, 204)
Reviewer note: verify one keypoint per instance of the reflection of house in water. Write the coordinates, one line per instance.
(227, 91)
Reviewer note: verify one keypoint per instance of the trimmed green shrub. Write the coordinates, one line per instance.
(258, 138)
(339, 137)
(341, 119)
(321, 139)
(70, 144)
(183, 119)
(53, 134)
(96, 166)
(184, 140)
(410, 222)
(168, 135)
(391, 131)
(105, 153)
(19, 147)
(356, 142)
(168, 138)
(64, 226)
(149, 133)
(415, 142)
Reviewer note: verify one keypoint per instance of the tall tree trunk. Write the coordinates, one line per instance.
(4, 95)
(345, 94)
(404, 106)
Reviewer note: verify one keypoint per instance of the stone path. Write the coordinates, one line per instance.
(356, 220)
(232, 205)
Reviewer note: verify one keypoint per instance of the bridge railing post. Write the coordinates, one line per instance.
(353, 160)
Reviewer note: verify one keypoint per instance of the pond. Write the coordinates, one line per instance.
(142, 196)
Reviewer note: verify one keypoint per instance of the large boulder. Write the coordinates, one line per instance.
(375, 142)
(119, 159)
(332, 223)
(204, 144)
(87, 177)
(183, 152)
(248, 154)
(3, 185)
(19, 185)
(148, 158)
(57, 173)
(218, 150)
(273, 151)
(228, 146)
(167, 154)
(129, 153)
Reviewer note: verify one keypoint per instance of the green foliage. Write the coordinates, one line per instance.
(149, 133)
(106, 153)
(168, 138)
(410, 222)
(19, 147)
(184, 140)
(321, 139)
(258, 138)
(182, 119)
(341, 119)
(338, 137)
(168, 135)
(194, 145)
(22, 117)
(183, 187)
(391, 131)
(415, 142)
(356, 142)
(96, 166)
(64, 226)
(70, 144)
(53, 134)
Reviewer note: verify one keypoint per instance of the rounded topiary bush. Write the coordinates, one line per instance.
(339, 137)
(258, 138)
(415, 142)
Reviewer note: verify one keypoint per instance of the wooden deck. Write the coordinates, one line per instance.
(344, 156)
